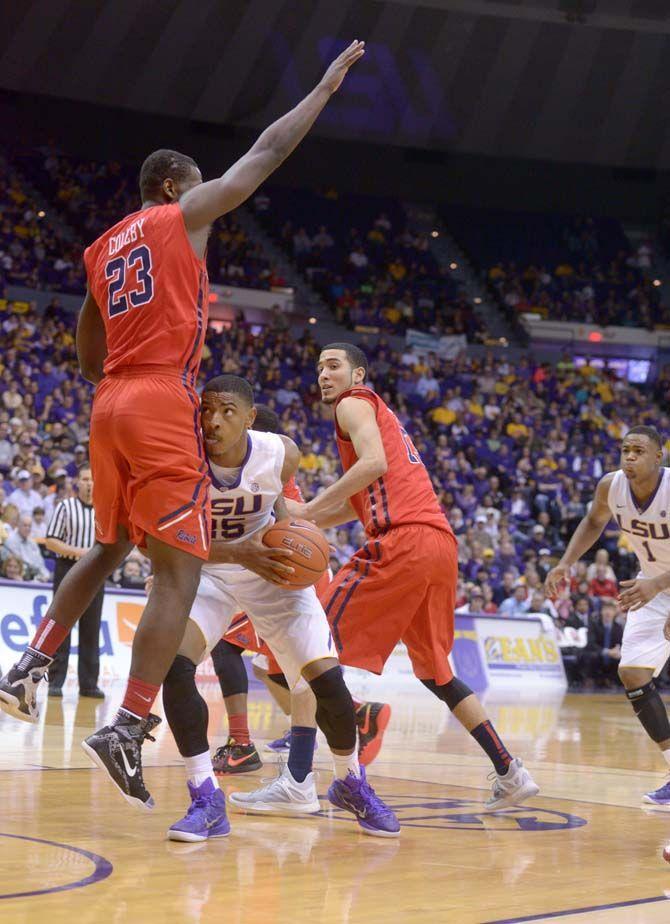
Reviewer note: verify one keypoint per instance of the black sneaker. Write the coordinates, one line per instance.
(236, 758)
(117, 749)
(92, 693)
(371, 721)
(19, 686)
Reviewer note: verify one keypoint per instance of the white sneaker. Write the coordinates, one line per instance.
(18, 698)
(513, 787)
(281, 796)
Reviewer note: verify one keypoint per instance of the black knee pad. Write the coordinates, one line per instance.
(648, 707)
(230, 669)
(280, 680)
(335, 714)
(451, 693)
(185, 709)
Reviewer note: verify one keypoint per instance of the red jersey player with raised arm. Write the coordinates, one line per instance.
(401, 585)
(139, 339)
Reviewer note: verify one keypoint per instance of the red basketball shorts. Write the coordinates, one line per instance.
(149, 469)
(400, 586)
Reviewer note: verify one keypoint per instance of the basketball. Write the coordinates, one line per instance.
(309, 546)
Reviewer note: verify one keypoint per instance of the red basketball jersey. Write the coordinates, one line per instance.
(152, 292)
(404, 495)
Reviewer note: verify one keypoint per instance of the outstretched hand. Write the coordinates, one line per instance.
(337, 71)
(555, 579)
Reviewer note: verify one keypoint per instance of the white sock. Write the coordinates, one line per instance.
(666, 754)
(199, 769)
(346, 763)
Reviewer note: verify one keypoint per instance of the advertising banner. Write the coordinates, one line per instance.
(489, 651)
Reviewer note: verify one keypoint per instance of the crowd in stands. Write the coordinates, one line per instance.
(372, 269)
(563, 269)
(359, 252)
(514, 452)
(43, 250)
(378, 274)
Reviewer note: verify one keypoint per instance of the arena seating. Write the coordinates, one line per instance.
(372, 269)
(357, 251)
(562, 268)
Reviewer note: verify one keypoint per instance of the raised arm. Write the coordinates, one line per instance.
(588, 532)
(205, 203)
(355, 417)
(91, 340)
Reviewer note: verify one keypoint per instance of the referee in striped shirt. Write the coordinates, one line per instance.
(70, 534)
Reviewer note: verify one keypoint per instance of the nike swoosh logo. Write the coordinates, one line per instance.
(147, 699)
(131, 771)
(210, 824)
(365, 727)
(621, 505)
(361, 813)
(236, 761)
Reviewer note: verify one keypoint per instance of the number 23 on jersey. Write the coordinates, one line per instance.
(131, 284)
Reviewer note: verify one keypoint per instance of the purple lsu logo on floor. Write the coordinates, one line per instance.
(470, 815)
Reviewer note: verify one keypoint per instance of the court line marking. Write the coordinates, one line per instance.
(587, 910)
(396, 779)
(102, 868)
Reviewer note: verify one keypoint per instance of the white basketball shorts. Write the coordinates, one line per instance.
(644, 644)
(292, 623)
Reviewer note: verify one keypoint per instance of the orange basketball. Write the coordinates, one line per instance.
(311, 551)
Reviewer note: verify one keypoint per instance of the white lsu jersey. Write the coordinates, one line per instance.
(647, 527)
(243, 506)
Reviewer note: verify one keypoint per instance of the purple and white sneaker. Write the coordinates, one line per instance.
(283, 745)
(659, 797)
(280, 745)
(205, 817)
(357, 796)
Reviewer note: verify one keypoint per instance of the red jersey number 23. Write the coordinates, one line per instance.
(131, 284)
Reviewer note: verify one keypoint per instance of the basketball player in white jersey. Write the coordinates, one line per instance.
(248, 471)
(637, 497)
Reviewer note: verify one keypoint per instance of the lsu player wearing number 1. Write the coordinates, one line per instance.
(637, 497)
(139, 340)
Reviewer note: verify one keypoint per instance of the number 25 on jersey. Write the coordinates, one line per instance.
(131, 284)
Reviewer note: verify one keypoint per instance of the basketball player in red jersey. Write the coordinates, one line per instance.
(401, 585)
(139, 339)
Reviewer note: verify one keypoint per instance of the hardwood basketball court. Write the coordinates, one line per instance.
(584, 850)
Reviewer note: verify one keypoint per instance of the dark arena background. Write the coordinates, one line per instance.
(483, 207)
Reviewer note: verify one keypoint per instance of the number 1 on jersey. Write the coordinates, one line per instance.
(116, 271)
(650, 556)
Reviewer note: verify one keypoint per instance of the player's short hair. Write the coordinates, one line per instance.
(651, 432)
(162, 165)
(267, 420)
(232, 385)
(354, 354)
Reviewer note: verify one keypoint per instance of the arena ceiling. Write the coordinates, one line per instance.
(570, 80)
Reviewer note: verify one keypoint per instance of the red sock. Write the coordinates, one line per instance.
(139, 697)
(48, 637)
(238, 728)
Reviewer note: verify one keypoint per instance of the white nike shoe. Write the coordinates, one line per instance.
(282, 796)
(511, 788)
(18, 688)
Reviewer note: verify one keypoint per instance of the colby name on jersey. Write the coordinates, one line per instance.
(242, 507)
(648, 527)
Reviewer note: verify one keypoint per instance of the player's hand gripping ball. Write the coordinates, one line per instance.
(310, 549)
